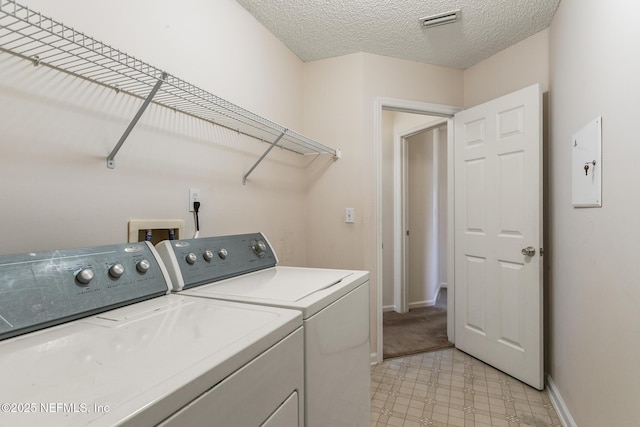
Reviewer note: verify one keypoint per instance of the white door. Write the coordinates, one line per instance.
(498, 214)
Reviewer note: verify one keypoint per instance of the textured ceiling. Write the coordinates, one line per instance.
(315, 29)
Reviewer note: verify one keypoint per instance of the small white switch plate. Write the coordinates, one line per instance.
(349, 215)
(194, 196)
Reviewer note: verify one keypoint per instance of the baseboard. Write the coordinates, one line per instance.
(558, 403)
(420, 304)
(373, 358)
(444, 285)
(388, 308)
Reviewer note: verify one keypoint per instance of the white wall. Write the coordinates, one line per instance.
(57, 131)
(57, 192)
(395, 124)
(516, 67)
(388, 228)
(592, 292)
(422, 215)
(339, 100)
(333, 112)
(216, 45)
(595, 296)
(443, 195)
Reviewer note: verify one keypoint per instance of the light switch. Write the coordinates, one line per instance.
(349, 215)
(586, 167)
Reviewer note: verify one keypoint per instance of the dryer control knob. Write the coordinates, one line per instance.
(143, 266)
(85, 276)
(222, 253)
(259, 247)
(208, 255)
(191, 258)
(116, 270)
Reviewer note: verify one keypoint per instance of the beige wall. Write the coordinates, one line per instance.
(57, 131)
(57, 192)
(216, 45)
(333, 109)
(595, 297)
(516, 67)
(388, 228)
(420, 207)
(443, 200)
(423, 182)
(394, 125)
(339, 101)
(592, 296)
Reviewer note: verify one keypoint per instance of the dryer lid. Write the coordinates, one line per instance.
(286, 284)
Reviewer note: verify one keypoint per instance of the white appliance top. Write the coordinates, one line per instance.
(305, 289)
(243, 268)
(289, 284)
(145, 360)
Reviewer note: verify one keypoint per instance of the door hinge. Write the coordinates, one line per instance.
(407, 232)
(541, 251)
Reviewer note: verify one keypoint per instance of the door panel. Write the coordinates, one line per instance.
(476, 292)
(498, 212)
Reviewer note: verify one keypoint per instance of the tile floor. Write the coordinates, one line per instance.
(450, 388)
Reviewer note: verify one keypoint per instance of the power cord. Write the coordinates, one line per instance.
(196, 208)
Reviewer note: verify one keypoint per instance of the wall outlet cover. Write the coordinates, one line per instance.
(349, 215)
(194, 196)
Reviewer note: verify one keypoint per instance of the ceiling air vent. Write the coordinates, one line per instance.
(440, 19)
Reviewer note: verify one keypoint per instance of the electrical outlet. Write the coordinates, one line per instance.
(194, 196)
(349, 215)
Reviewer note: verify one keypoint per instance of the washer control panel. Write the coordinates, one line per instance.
(200, 261)
(38, 290)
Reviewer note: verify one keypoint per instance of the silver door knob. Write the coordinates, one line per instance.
(528, 251)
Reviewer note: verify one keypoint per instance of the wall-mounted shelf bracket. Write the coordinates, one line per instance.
(49, 43)
(273, 144)
(111, 162)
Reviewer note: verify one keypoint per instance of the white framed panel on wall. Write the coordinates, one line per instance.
(586, 166)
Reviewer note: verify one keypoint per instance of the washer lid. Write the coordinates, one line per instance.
(138, 364)
(285, 284)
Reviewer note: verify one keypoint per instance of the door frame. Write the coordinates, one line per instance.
(415, 107)
(400, 212)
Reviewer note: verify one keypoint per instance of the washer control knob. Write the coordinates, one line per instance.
(259, 247)
(85, 276)
(143, 266)
(191, 258)
(116, 270)
(208, 255)
(222, 253)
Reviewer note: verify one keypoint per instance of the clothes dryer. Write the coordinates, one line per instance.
(334, 304)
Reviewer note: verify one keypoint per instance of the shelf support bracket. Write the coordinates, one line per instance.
(273, 144)
(111, 163)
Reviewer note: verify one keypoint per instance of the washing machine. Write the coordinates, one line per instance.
(92, 337)
(334, 305)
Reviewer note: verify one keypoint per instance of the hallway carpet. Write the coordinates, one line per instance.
(418, 331)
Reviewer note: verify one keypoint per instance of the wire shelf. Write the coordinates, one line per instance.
(30, 35)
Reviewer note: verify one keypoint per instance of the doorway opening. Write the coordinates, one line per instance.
(497, 224)
(440, 115)
(414, 197)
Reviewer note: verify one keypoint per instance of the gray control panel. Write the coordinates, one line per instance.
(38, 290)
(196, 262)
